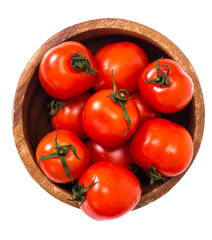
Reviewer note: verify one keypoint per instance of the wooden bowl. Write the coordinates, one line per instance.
(30, 114)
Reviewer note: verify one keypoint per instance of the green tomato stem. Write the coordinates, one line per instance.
(154, 175)
(82, 64)
(162, 77)
(55, 105)
(61, 152)
(121, 97)
(79, 192)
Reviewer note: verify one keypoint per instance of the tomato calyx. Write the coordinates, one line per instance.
(78, 192)
(121, 97)
(61, 152)
(154, 175)
(82, 64)
(162, 77)
(135, 168)
(55, 105)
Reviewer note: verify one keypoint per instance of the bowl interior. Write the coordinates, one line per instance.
(36, 120)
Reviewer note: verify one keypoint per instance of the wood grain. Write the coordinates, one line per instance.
(30, 115)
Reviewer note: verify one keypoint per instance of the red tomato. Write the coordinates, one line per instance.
(146, 111)
(115, 191)
(69, 116)
(126, 59)
(55, 148)
(104, 122)
(119, 155)
(166, 86)
(164, 145)
(62, 75)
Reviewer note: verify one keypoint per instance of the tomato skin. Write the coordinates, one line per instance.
(146, 111)
(119, 155)
(163, 144)
(104, 122)
(115, 192)
(57, 76)
(166, 99)
(126, 59)
(70, 117)
(52, 167)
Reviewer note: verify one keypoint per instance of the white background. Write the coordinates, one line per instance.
(26, 210)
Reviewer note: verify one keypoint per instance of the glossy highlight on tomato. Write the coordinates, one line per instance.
(69, 117)
(57, 74)
(164, 145)
(104, 122)
(115, 191)
(119, 155)
(53, 167)
(126, 59)
(166, 86)
(147, 112)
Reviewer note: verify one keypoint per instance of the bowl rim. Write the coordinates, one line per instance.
(137, 29)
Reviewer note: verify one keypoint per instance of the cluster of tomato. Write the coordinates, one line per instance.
(106, 116)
